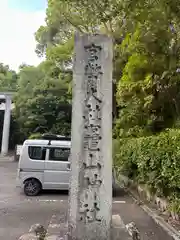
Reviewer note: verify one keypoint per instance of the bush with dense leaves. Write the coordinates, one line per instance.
(153, 160)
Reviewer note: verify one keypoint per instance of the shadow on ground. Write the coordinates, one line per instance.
(119, 192)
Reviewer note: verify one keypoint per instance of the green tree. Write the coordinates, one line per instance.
(146, 55)
(43, 100)
(148, 91)
(8, 78)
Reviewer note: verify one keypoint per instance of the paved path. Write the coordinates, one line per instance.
(18, 212)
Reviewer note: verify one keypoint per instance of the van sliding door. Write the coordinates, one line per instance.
(57, 168)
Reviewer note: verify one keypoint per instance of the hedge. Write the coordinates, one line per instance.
(154, 161)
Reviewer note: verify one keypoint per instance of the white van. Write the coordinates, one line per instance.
(44, 164)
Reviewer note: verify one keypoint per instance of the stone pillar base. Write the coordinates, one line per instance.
(58, 231)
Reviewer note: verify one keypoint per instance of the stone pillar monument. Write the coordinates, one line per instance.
(6, 126)
(90, 200)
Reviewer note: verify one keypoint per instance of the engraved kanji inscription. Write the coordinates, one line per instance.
(89, 206)
(92, 137)
(93, 51)
(94, 109)
(92, 161)
(93, 69)
(93, 176)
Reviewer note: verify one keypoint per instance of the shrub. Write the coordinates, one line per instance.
(153, 160)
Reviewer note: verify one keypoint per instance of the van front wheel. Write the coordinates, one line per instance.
(32, 187)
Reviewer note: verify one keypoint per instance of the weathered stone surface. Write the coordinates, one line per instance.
(38, 229)
(54, 219)
(57, 227)
(36, 232)
(118, 229)
(54, 237)
(133, 231)
(117, 222)
(90, 199)
(59, 231)
(29, 236)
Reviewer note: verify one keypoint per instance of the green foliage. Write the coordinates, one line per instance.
(146, 55)
(148, 90)
(8, 78)
(35, 136)
(153, 160)
(43, 100)
(174, 205)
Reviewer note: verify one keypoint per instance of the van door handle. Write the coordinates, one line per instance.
(68, 166)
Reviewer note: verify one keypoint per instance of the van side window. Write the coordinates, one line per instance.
(37, 153)
(59, 154)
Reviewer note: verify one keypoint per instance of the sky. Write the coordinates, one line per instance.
(19, 20)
